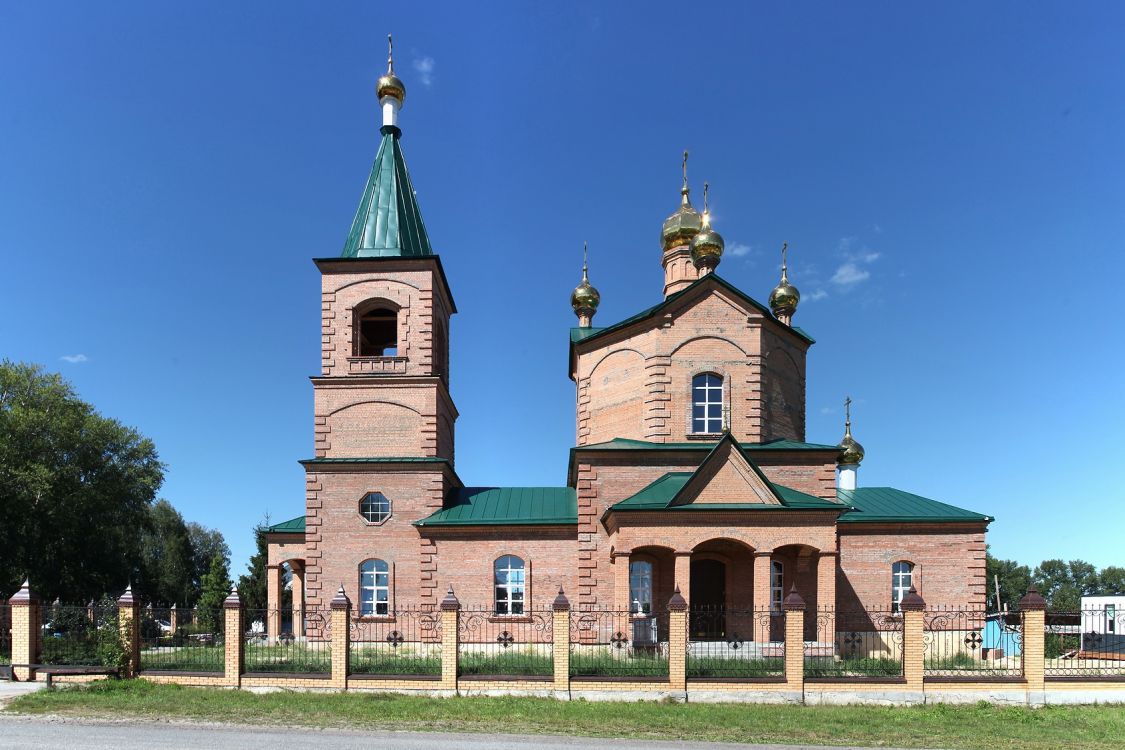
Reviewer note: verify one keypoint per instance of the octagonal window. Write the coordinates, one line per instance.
(375, 507)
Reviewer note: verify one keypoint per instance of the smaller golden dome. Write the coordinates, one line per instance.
(390, 84)
(850, 451)
(585, 298)
(707, 246)
(685, 223)
(784, 298)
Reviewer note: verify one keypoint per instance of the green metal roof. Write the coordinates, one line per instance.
(292, 526)
(506, 506)
(388, 222)
(886, 504)
(584, 334)
(624, 444)
(661, 494)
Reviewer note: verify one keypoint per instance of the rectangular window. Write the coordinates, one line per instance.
(777, 585)
(706, 404)
(1110, 615)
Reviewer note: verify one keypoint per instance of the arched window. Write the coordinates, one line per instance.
(374, 588)
(375, 507)
(902, 573)
(640, 586)
(376, 333)
(777, 585)
(706, 404)
(508, 577)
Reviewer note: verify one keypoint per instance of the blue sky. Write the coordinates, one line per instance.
(950, 179)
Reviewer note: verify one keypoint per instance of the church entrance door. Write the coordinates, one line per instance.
(708, 597)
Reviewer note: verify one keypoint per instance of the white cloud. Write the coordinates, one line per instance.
(850, 274)
(74, 359)
(424, 67)
(827, 410)
(815, 295)
(739, 249)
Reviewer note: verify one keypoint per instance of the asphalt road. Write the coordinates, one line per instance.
(49, 733)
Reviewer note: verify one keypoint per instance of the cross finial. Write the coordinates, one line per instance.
(584, 258)
(390, 56)
(848, 413)
(784, 251)
(706, 192)
(684, 190)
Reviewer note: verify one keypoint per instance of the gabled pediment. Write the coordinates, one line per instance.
(728, 476)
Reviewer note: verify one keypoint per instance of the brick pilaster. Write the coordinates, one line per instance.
(26, 628)
(129, 625)
(794, 607)
(1034, 609)
(658, 398)
(450, 609)
(677, 641)
(761, 583)
(341, 616)
(232, 639)
(913, 639)
(560, 642)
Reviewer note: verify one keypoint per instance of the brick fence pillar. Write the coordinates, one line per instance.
(129, 626)
(560, 642)
(677, 641)
(174, 619)
(1034, 608)
(26, 620)
(450, 609)
(913, 639)
(341, 615)
(794, 607)
(232, 638)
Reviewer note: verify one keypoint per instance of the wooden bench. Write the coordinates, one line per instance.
(51, 670)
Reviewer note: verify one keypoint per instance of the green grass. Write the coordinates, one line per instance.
(861, 667)
(69, 650)
(194, 658)
(516, 663)
(378, 662)
(604, 664)
(297, 657)
(976, 727)
(718, 666)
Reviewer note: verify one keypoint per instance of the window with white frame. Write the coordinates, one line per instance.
(640, 587)
(375, 507)
(374, 588)
(509, 580)
(706, 404)
(777, 585)
(901, 574)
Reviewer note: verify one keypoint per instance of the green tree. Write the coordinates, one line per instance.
(75, 488)
(167, 559)
(1111, 580)
(216, 587)
(205, 545)
(1013, 579)
(1063, 584)
(252, 584)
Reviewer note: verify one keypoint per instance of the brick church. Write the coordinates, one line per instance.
(690, 468)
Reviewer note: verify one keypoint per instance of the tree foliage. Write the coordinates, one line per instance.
(75, 488)
(216, 587)
(252, 584)
(1061, 583)
(175, 556)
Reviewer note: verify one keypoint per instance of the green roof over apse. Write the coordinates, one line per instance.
(886, 505)
(387, 222)
(292, 526)
(506, 506)
(578, 335)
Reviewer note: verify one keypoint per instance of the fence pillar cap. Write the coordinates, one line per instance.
(233, 600)
(1032, 600)
(127, 599)
(25, 595)
(450, 603)
(793, 601)
(341, 600)
(677, 603)
(561, 603)
(912, 602)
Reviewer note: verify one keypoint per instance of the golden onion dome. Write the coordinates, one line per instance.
(784, 298)
(707, 246)
(390, 84)
(585, 298)
(681, 227)
(850, 451)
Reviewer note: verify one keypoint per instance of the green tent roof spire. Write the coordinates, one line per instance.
(388, 222)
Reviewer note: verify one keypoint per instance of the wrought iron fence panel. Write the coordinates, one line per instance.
(306, 651)
(407, 642)
(610, 643)
(5, 634)
(734, 643)
(971, 642)
(1086, 643)
(492, 644)
(182, 640)
(76, 635)
(855, 643)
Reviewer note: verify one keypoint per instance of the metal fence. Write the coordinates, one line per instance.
(182, 640)
(735, 643)
(308, 652)
(407, 642)
(607, 643)
(1086, 643)
(855, 643)
(972, 643)
(491, 644)
(86, 636)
